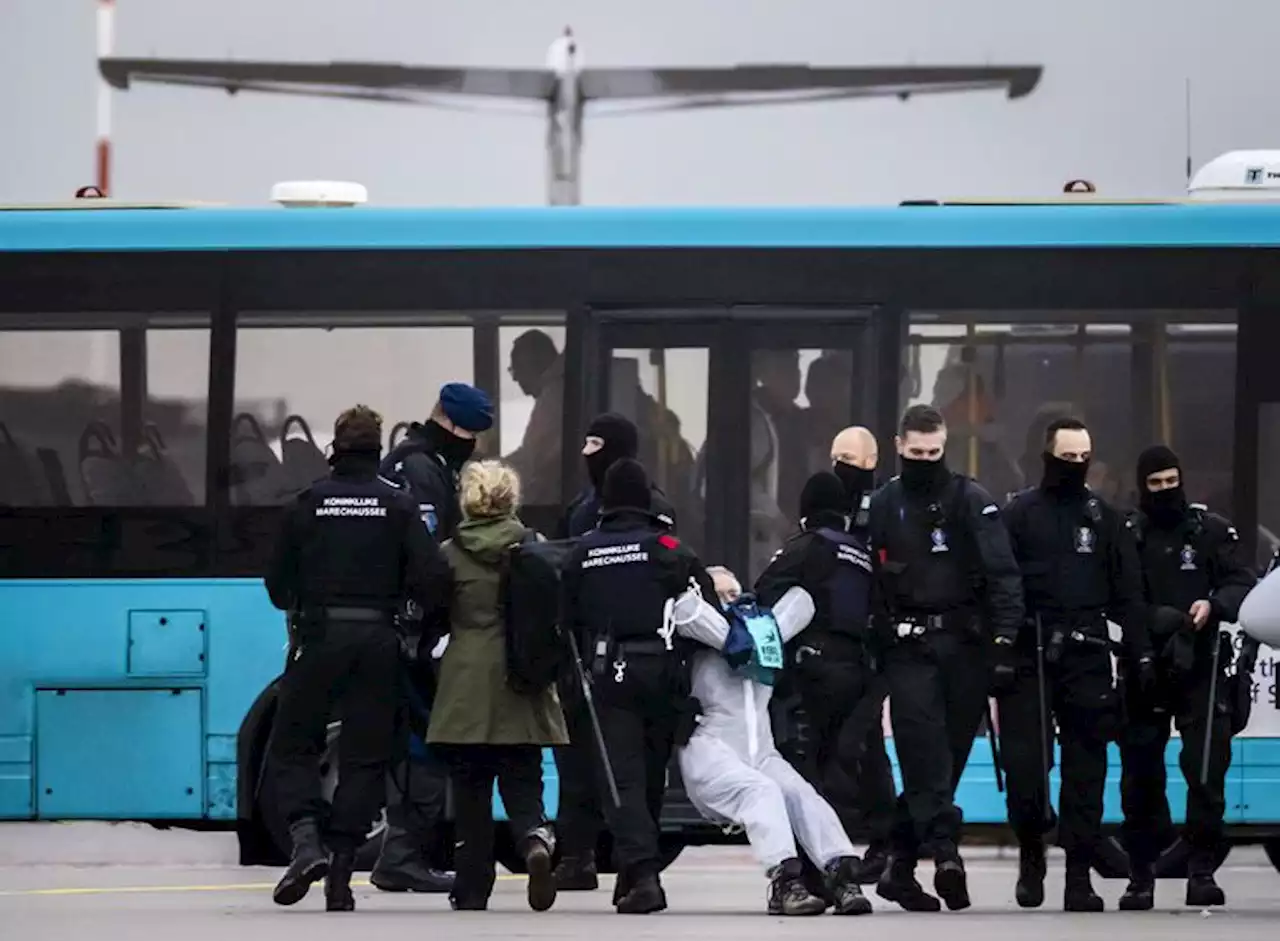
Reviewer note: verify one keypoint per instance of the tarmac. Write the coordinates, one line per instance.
(127, 881)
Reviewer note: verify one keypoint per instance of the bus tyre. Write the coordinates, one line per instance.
(272, 815)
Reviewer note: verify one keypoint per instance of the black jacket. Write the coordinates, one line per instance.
(583, 513)
(430, 480)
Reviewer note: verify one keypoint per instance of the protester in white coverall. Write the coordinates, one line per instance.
(733, 772)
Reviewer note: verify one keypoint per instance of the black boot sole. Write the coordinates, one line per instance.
(906, 899)
(1029, 897)
(1136, 903)
(384, 884)
(953, 888)
(295, 890)
(1091, 905)
(542, 882)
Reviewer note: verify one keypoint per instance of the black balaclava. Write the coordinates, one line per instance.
(621, 440)
(455, 451)
(856, 482)
(1064, 477)
(626, 486)
(922, 477)
(823, 501)
(1165, 508)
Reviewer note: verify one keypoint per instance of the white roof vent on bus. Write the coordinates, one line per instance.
(319, 193)
(1238, 175)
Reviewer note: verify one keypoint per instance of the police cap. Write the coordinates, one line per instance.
(466, 406)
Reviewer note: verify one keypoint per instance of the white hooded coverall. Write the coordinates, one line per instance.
(731, 768)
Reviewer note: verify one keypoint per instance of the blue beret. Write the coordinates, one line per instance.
(467, 407)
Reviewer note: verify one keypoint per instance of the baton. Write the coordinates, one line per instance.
(1212, 712)
(996, 762)
(1044, 717)
(585, 682)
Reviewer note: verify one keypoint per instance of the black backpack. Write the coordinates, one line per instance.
(529, 592)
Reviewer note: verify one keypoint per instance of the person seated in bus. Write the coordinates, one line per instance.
(484, 729)
(538, 369)
(731, 768)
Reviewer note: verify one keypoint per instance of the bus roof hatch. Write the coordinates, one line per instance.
(319, 193)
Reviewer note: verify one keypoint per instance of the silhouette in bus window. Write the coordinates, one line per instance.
(538, 369)
(975, 418)
(827, 386)
(776, 383)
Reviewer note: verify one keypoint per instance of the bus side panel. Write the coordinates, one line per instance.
(220, 638)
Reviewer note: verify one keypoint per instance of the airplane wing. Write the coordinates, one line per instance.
(718, 86)
(331, 79)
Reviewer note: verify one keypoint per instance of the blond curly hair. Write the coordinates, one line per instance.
(489, 489)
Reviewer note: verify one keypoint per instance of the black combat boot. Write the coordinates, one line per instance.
(873, 863)
(1202, 890)
(949, 879)
(899, 885)
(337, 887)
(309, 863)
(401, 867)
(1078, 895)
(842, 887)
(1031, 871)
(643, 893)
(577, 873)
(1140, 894)
(538, 846)
(787, 892)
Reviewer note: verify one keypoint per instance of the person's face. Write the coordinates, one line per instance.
(591, 444)
(856, 454)
(1072, 444)
(527, 374)
(1164, 480)
(922, 445)
(780, 375)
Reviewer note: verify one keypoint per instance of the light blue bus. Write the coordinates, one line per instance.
(168, 378)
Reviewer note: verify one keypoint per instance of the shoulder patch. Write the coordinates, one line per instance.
(990, 510)
(668, 542)
(1233, 534)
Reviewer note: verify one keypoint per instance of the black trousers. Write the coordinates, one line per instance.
(937, 698)
(518, 771)
(638, 718)
(1147, 820)
(579, 820)
(417, 785)
(351, 666)
(848, 762)
(1079, 694)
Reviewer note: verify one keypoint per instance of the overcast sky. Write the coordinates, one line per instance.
(1110, 106)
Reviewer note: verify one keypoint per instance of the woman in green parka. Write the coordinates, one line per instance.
(479, 725)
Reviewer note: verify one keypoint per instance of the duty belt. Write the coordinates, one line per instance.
(368, 615)
(1086, 632)
(917, 625)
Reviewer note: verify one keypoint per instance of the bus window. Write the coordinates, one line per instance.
(1000, 384)
(291, 383)
(800, 400)
(1268, 474)
(532, 409)
(666, 393)
(73, 432)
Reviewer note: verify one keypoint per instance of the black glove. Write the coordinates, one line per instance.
(1004, 666)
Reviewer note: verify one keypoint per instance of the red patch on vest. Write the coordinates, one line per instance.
(669, 542)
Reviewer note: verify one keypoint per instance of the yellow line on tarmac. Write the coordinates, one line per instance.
(214, 887)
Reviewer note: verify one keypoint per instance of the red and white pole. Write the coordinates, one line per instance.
(106, 36)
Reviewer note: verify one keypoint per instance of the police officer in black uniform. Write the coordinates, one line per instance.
(831, 662)
(1080, 567)
(610, 438)
(351, 549)
(854, 457)
(1196, 576)
(616, 585)
(947, 585)
(427, 461)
